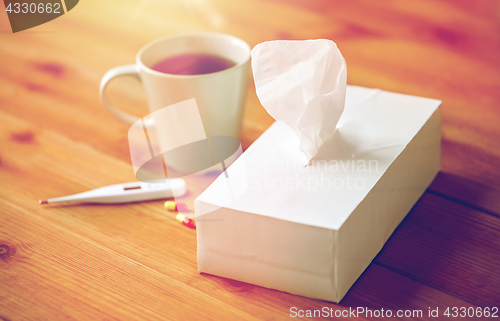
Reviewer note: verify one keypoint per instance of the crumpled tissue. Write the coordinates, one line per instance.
(302, 84)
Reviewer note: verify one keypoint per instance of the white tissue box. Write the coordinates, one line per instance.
(313, 230)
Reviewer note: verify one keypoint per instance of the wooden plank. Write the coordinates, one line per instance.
(50, 272)
(450, 247)
(471, 193)
(380, 288)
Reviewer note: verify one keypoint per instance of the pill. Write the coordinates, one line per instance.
(186, 221)
(174, 206)
(180, 217)
(170, 205)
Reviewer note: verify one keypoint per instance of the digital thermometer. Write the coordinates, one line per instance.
(126, 193)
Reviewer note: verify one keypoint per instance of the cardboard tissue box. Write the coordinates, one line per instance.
(310, 226)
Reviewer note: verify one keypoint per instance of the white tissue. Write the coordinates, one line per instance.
(302, 84)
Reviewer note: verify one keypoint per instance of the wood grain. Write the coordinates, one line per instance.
(144, 245)
(471, 193)
(450, 247)
(134, 262)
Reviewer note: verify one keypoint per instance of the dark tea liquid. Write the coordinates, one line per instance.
(193, 64)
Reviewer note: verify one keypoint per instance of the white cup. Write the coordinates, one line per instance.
(220, 96)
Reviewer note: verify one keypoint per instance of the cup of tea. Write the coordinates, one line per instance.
(210, 67)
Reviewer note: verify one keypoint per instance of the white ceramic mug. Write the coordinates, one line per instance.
(220, 96)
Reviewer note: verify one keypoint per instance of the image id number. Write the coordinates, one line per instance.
(33, 8)
(470, 312)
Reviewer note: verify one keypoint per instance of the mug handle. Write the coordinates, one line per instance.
(126, 70)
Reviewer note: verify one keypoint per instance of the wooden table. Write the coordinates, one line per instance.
(133, 262)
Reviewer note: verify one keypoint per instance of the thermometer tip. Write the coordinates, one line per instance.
(43, 202)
